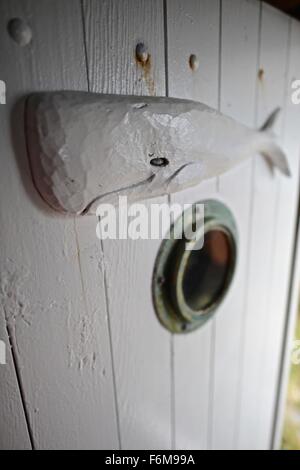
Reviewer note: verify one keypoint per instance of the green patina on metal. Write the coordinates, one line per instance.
(183, 302)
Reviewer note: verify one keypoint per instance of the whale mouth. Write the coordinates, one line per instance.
(146, 181)
(116, 191)
(180, 170)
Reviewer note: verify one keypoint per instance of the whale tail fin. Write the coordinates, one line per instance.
(275, 157)
(270, 150)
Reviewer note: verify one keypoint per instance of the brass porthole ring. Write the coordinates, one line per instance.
(188, 286)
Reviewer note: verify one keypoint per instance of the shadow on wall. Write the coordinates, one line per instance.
(18, 141)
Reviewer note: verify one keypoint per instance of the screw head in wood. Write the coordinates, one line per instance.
(193, 62)
(261, 74)
(141, 53)
(19, 31)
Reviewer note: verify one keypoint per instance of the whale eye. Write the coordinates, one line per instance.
(159, 161)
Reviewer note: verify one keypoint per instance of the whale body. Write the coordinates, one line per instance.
(85, 148)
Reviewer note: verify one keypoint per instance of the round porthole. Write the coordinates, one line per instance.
(189, 284)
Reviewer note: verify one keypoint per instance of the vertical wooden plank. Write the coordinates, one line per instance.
(140, 345)
(258, 388)
(60, 335)
(193, 28)
(285, 229)
(239, 46)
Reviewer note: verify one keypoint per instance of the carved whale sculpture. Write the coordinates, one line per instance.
(86, 148)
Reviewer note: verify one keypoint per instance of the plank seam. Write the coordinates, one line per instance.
(19, 382)
(165, 13)
(211, 386)
(172, 339)
(248, 256)
(172, 382)
(103, 259)
(210, 423)
(173, 405)
(275, 218)
(220, 53)
(111, 348)
(220, 71)
(85, 44)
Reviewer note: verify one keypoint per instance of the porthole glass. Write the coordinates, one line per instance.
(189, 285)
(207, 270)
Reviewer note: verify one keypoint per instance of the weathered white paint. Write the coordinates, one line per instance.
(239, 25)
(258, 386)
(86, 148)
(140, 346)
(95, 367)
(58, 310)
(193, 27)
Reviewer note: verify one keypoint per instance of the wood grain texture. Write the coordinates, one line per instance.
(140, 346)
(239, 46)
(260, 353)
(59, 329)
(113, 29)
(193, 28)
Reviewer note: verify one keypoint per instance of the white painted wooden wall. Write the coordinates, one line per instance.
(90, 366)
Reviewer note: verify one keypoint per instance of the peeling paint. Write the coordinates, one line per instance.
(14, 301)
(81, 327)
(82, 339)
(13, 298)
